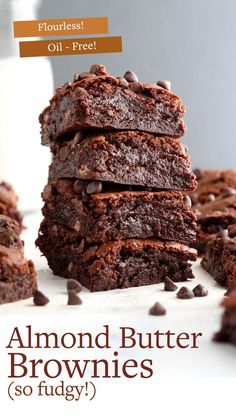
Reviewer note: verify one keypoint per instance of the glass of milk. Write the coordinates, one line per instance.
(26, 84)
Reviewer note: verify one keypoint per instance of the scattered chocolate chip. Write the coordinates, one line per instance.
(86, 75)
(198, 173)
(169, 285)
(98, 69)
(157, 310)
(47, 192)
(185, 293)
(73, 298)
(227, 192)
(135, 86)
(210, 198)
(78, 186)
(166, 84)
(40, 299)
(200, 291)
(130, 76)
(94, 187)
(123, 82)
(187, 201)
(74, 285)
(63, 153)
(231, 247)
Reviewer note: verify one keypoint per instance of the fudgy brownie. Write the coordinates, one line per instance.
(119, 215)
(227, 332)
(17, 275)
(127, 157)
(213, 183)
(212, 217)
(219, 258)
(100, 101)
(8, 202)
(115, 264)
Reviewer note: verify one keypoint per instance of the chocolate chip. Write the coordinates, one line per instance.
(98, 69)
(78, 186)
(169, 285)
(231, 247)
(198, 173)
(200, 291)
(73, 298)
(166, 84)
(210, 198)
(135, 86)
(187, 201)
(63, 153)
(157, 310)
(94, 187)
(223, 236)
(185, 293)
(74, 285)
(123, 82)
(130, 76)
(227, 192)
(47, 192)
(65, 87)
(40, 299)
(86, 75)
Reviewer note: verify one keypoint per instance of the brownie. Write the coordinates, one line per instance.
(17, 275)
(219, 258)
(127, 157)
(109, 216)
(212, 183)
(115, 264)
(212, 217)
(101, 101)
(8, 202)
(227, 332)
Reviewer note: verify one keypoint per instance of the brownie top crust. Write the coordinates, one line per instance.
(104, 102)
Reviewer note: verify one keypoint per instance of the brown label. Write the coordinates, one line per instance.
(60, 27)
(71, 46)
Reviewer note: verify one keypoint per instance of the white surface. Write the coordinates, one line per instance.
(129, 308)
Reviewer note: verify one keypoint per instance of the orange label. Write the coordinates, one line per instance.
(60, 27)
(71, 46)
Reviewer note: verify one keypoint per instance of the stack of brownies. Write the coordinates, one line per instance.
(116, 213)
(17, 274)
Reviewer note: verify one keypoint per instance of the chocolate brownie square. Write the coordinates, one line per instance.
(115, 264)
(114, 215)
(100, 101)
(219, 258)
(8, 202)
(127, 157)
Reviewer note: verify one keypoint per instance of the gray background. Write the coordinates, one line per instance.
(190, 42)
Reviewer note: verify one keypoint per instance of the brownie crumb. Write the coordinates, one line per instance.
(169, 285)
(185, 293)
(200, 291)
(73, 299)
(74, 285)
(40, 299)
(157, 310)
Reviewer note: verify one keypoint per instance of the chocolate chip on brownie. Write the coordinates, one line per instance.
(130, 76)
(94, 187)
(166, 84)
